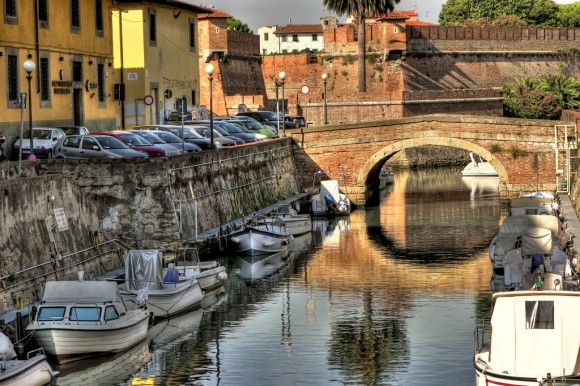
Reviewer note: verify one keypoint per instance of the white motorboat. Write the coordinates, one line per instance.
(478, 167)
(83, 318)
(261, 239)
(330, 201)
(165, 295)
(386, 177)
(508, 241)
(528, 204)
(530, 338)
(35, 370)
(297, 224)
(209, 274)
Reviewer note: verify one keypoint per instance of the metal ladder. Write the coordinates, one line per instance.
(566, 148)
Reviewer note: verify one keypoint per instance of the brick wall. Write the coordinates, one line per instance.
(243, 43)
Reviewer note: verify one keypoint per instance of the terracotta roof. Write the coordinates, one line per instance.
(216, 14)
(420, 23)
(299, 28)
(410, 13)
(394, 16)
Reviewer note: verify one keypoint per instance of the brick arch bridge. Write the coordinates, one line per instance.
(521, 150)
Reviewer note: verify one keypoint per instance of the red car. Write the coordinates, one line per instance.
(135, 142)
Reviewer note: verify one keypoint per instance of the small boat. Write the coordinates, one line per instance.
(330, 201)
(297, 224)
(478, 167)
(386, 177)
(35, 370)
(209, 274)
(530, 337)
(261, 239)
(83, 318)
(165, 295)
(534, 204)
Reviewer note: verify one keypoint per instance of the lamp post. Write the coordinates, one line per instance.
(324, 78)
(282, 76)
(29, 66)
(210, 68)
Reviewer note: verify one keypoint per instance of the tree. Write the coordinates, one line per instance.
(360, 8)
(568, 15)
(237, 25)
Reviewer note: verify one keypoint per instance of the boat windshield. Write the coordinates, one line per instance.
(50, 314)
(85, 314)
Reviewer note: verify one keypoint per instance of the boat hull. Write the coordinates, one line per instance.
(212, 278)
(297, 224)
(35, 371)
(260, 240)
(71, 341)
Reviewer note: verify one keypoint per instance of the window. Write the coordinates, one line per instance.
(10, 12)
(540, 315)
(294, 38)
(77, 71)
(50, 313)
(152, 27)
(266, 36)
(193, 97)
(192, 36)
(284, 51)
(12, 73)
(264, 51)
(91, 144)
(101, 83)
(75, 16)
(314, 37)
(99, 17)
(44, 73)
(72, 142)
(43, 13)
(111, 313)
(85, 314)
(284, 38)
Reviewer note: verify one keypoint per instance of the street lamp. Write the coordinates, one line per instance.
(210, 68)
(324, 78)
(282, 76)
(29, 66)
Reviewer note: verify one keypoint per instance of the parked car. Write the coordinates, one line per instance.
(94, 146)
(220, 127)
(136, 142)
(269, 118)
(44, 139)
(298, 119)
(176, 116)
(74, 130)
(170, 150)
(189, 135)
(218, 139)
(170, 139)
(251, 124)
(237, 130)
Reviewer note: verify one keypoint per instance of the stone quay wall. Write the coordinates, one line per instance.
(61, 207)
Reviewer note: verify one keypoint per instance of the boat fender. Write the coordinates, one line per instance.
(235, 239)
(222, 276)
(268, 243)
(6, 348)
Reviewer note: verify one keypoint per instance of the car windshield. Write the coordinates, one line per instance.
(150, 137)
(232, 128)
(204, 131)
(194, 133)
(188, 133)
(134, 140)
(38, 134)
(109, 142)
(168, 137)
(254, 125)
(269, 116)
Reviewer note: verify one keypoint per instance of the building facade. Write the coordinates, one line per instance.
(156, 54)
(69, 43)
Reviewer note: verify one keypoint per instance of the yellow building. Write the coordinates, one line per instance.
(70, 44)
(156, 58)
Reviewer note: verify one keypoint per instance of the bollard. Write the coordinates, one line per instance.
(19, 334)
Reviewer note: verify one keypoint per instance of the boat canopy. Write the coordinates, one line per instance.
(535, 332)
(518, 224)
(330, 187)
(536, 241)
(143, 269)
(531, 205)
(74, 292)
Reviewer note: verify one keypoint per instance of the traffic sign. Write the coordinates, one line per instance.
(305, 89)
(168, 94)
(148, 100)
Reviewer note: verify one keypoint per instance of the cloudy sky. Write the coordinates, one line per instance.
(258, 13)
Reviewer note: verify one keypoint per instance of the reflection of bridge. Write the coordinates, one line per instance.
(521, 150)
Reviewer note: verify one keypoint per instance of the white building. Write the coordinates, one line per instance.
(268, 43)
(294, 38)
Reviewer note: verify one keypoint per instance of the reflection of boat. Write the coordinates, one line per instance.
(478, 167)
(481, 186)
(386, 177)
(297, 224)
(165, 296)
(107, 369)
(35, 370)
(531, 338)
(261, 239)
(330, 201)
(255, 268)
(209, 274)
(81, 318)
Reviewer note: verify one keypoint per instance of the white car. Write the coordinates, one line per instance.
(44, 139)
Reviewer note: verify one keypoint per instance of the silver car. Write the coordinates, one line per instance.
(94, 146)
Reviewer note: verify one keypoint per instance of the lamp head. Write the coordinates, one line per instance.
(324, 76)
(282, 75)
(29, 66)
(210, 69)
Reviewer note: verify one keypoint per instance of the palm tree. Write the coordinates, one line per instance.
(360, 8)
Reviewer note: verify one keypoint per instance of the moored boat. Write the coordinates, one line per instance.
(261, 239)
(330, 201)
(81, 318)
(35, 370)
(477, 167)
(209, 274)
(297, 224)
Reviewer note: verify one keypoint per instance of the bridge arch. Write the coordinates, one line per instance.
(378, 157)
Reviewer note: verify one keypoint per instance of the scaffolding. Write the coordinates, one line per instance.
(566, 148)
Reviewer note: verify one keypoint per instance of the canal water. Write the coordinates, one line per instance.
(387, 296)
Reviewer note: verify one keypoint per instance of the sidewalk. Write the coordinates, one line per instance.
(569, 214)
